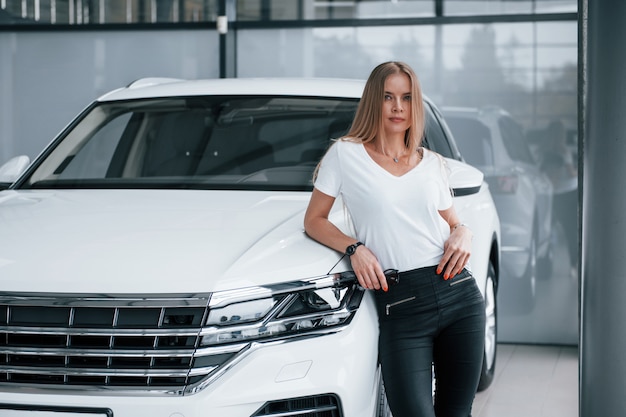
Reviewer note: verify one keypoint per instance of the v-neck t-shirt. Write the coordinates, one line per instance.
(397, 217)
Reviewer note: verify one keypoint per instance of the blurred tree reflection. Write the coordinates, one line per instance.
(482, 81)
(481, 77)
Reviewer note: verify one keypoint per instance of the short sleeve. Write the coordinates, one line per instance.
(328, 178)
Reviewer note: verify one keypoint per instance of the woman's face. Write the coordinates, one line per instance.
(397, 104)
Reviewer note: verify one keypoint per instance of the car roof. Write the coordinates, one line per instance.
(172, 87)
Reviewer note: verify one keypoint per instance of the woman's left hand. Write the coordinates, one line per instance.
(456, 252)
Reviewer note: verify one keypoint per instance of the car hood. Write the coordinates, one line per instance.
(154, 241)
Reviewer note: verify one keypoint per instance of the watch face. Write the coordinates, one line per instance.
(352, 248)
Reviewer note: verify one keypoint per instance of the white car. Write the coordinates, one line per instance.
(492, 141)
(153, 259)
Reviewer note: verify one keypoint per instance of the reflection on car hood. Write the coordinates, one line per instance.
(154, 241)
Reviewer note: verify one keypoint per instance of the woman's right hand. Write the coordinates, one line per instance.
(368, 270)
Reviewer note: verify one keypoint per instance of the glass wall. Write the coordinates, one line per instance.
(61, 12)
(179, 11)
(253, 10)
(504, 72)
(518, 82)
(46, 78)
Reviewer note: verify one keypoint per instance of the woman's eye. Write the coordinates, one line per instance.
(387, 97)
(407, 98)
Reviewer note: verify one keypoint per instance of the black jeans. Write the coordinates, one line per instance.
(426, 320)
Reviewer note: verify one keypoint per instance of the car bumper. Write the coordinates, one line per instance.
(342, 363)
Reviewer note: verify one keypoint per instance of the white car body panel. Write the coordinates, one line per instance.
(320, 87)
(177, 241)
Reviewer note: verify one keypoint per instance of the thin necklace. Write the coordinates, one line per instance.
(395, 159)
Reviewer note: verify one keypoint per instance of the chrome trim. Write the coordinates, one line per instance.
(98, 332)
(105, 372)
(245, 351)
(304, 411)
(16, 363)
(91, 390)
(118, 353)
(105, 300)
(223, 298)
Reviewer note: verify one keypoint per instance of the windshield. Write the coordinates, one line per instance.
(214, 142)
(196, 142)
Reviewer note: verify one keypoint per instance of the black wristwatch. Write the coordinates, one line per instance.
(352, 248)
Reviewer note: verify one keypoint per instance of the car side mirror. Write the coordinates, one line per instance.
(464, 178)
(12, 169)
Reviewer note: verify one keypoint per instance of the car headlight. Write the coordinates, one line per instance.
(260, 313)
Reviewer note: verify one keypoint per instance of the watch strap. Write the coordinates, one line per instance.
(352, 248)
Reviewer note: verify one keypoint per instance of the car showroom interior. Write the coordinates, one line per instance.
(126, 138)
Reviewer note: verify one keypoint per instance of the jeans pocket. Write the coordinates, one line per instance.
(389, 306)
(464, 276)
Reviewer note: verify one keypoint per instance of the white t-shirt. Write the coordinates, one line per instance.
(395, 217)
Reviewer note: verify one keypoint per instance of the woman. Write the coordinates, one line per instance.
(398, 196)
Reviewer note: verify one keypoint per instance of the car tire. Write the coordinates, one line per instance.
(491, 331)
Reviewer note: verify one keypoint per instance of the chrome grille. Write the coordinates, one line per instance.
(135, 343)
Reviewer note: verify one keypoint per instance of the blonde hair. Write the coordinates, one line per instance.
(368, 120)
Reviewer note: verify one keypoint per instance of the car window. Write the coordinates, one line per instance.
(92, 161)
(206, 142)
(434, 136)
(514, 140)
(473, 139)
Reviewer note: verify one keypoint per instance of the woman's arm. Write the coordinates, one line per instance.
(316, 224)
(458, 247)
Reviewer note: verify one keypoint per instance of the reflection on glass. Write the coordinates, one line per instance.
(376, 9)
(490, 7)
(532, 77)
(178, 11)
(493, 141)
(107, 11)
(325, 10)
(528, 71)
